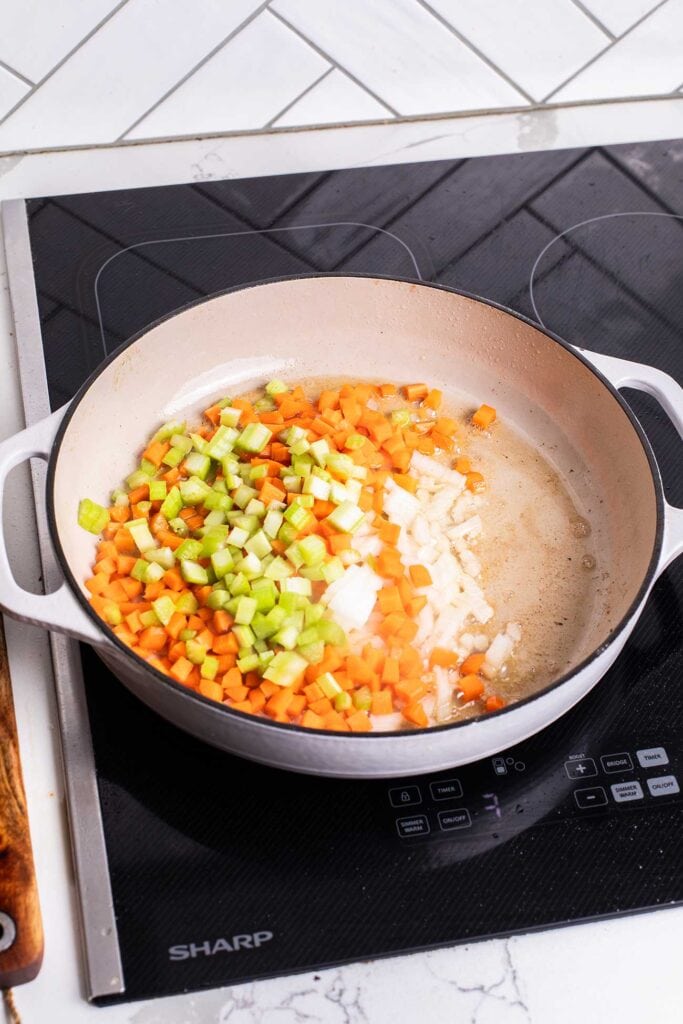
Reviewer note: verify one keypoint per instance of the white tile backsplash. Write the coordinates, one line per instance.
(557, 38)
(618, 15)
(12, 89)
(109, 69)
(645, 61)
(406, 57)
(36, 34)
(232, 90)
(335, 99)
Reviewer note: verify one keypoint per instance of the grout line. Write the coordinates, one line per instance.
(402, 119)
(64, 59)
(17, 74)
(475, 50)
(591, 17)
(254, 14)
(333, 62)
(603, 51)
(289, 106)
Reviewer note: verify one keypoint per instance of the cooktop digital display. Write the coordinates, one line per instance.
(223, 870)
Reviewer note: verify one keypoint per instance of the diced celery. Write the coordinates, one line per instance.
(256, 508)
(317, 488)
(137, 479)
(285, 668)
(296, 585)
(261, 627)
(278, 569)
(298, 516)
(313, 572)
(222, 562)
(199, 443)
(276, 617)
(244, 635)
(217, 501)
(332, 570)
(149, 618)
(300, 448)
(362, 699)
(189, 549)
(342, 701)
(265, 658)
(287, 637)
(302, 466)
(172, 504)
(193, 491)
(222, 442)
(328, 684)
(230, 416)
(173, 457)
(231, 605)
(254, 438)
(119, 498)
(249, 523)
(313, 653)
(291, 482)
(143, 507)
(401, 418)
(272, 522)
(353, 490)
(198, 465)
(214, 518)
(187, 634)
(196, 652)
(346, 517)
(246, 609)
(243, 495)
(154, 572)
(209, 667)
(238, 537)
(139, 570)
(320, 451)
(294, 555)
(359, 472)
(168, 430)
(260, 646)
(306, 501)
(257, 473)
(308, 636)
(164, 607)
(292, 435)
(140, 532)
(331, 632)
(181, 441)
(217, 599)
(313, 549)
(276, 387)
(193, 572)
(163, 556)
(187, 604)
(313, 613)
(354, 442)
(240, 585)
(249, 663)
(91, 516)
(214, 539)
(259, 544)
(147, 467)
(341, 465)
(250, 565)
(179, 527)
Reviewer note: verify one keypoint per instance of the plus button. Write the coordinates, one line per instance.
(580, 768)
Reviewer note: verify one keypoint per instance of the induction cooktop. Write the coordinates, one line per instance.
(197, 869)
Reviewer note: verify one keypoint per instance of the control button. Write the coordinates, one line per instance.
(450, 820)
(612, 763)
(652, 757)
(446, 789)
(663, 785)
(624, 791)
(415, 826)
(499, 765)
(582, 768)
(593, 797)
(405, 796)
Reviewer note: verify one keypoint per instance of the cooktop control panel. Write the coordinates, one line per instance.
(506, 794)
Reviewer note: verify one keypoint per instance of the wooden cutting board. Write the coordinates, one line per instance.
(21, 930)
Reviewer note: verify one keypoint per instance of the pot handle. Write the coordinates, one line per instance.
(622, 373)
(59, 611)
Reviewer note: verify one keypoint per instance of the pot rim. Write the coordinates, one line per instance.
(394, 735)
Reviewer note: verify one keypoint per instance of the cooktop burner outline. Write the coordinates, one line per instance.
(238, 234)
(575, 227)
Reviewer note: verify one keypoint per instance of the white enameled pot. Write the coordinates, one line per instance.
(357, 326)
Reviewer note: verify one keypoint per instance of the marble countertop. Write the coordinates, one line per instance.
(625, 970)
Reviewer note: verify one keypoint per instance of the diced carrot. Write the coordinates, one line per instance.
(382, 703)
(211, 689)
(222, 621)
(389, 532)
(133, 588)
(415, 605)
(226, 643)
(119, 513)
(125, 545)
(471, 687)
(115, 591)
(433, 399)
(106, 549)
(359, 722)
(389, 600)
(279, 702)
(257, 700)
(419, 576)
(494, 703)
(334, 721)
(313, 691)
(312, 721)
(410, 690)
(416, 714)
(358, 669)
(296, 705)
(96, 584)
(444, 658)
(415, 392)
(484, 416)
(153, 638)
(463, 465)
(339, 542)
(328, 400)
(321, 707)
(387, 390)
(408, 483)
(237, 693)
(181, 669)
(390, 672)
(442, 441)
(475, 482)
(140, 493)
(472, 664)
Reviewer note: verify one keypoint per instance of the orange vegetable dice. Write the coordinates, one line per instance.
(484, 417)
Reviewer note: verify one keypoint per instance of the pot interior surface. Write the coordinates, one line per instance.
(382, 330)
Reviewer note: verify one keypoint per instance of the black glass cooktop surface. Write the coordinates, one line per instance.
(222, 870)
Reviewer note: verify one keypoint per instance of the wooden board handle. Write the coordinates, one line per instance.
(21, 930)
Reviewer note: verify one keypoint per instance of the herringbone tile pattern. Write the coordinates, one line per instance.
(84, 72)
